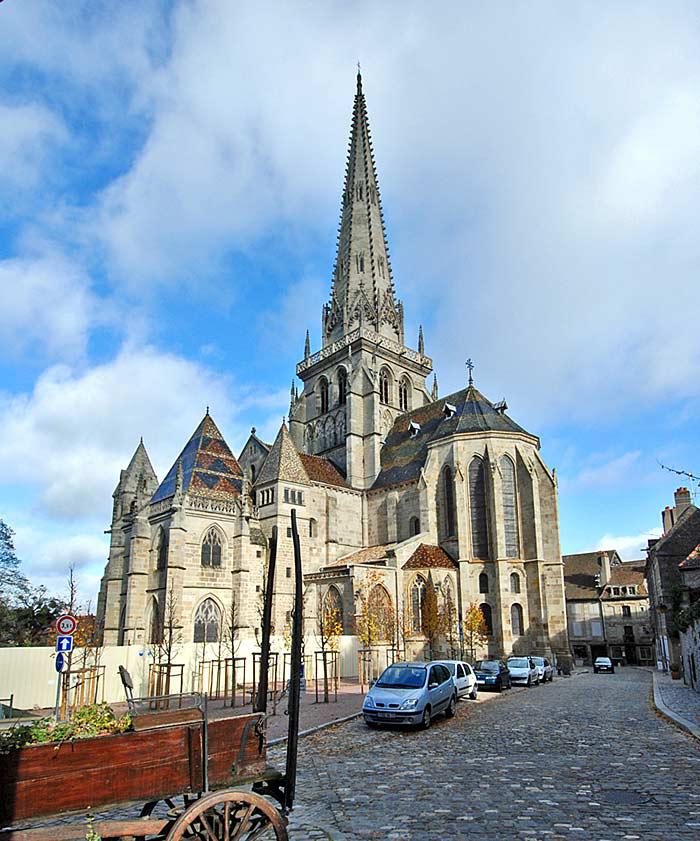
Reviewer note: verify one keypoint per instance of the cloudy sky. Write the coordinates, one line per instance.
(170, 179)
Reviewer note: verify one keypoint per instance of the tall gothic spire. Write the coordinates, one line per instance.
(363, 289)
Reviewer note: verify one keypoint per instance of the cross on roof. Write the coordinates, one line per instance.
(470, 368)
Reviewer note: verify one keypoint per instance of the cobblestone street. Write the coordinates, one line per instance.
(581, 758)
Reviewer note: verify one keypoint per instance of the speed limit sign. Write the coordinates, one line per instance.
(66, 624)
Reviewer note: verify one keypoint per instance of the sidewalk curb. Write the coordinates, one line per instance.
(667, 712)
(282, 739)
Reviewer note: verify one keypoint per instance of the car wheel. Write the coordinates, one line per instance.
(529, 682)
(473, 693)
(425, 723)
(451, 707)
(499, 685)
(595, 671)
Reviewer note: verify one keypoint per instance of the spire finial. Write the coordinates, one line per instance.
(421, 342)
(141, 441)
(359, 78)
(207, 409)
(307, 346)
(434, 395)
(470, 368)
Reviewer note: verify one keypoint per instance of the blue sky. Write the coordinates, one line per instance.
(170, 180)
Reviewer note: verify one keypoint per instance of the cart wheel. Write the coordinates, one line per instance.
(229, 815)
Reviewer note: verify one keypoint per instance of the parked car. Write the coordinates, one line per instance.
(523, 670)
(463, 677)
(544, 668)
(603, 664)
(492, 674)
(410, 693)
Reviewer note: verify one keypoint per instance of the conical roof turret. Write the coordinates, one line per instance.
(363, 289)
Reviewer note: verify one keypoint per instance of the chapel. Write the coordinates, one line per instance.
(396, 489)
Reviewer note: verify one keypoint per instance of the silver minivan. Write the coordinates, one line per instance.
(410, 693)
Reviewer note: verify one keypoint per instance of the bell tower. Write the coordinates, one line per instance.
(364, 376)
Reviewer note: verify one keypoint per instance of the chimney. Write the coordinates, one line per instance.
(682, 499)
(604, 564)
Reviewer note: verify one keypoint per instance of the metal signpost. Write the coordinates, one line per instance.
(65, 626)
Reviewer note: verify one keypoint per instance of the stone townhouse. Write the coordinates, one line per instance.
(394, 487)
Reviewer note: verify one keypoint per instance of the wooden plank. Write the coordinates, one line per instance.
(194, 752)
(76, 832)
(49, 779)
(165, 718)
(225, 736)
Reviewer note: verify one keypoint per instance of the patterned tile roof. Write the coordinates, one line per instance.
(430, 557)
(320, 469)
(403, 455)
(363, 556)
(209, 468)
(283, 462)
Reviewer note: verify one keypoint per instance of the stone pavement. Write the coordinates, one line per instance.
(678, 701)
(583, 758)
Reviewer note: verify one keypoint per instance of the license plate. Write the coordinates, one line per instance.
(388, 715)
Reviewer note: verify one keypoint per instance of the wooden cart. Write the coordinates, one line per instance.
(196, 777)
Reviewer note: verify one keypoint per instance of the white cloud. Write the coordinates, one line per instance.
(70, 437)
(45, 304)
(605, 473)
(629, 547)
(29, 134)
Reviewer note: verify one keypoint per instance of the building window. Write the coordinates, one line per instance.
(516, 620)
(510, 510)
(286, 494)
(333, 606)
(483, 583)
(514, 582)
(381, 608)
(162, 560)
(252, 473)
(447, 519)
(488, 617)
(258, 553)
(414, 526)
(207, 620)
(616, 591)
(289, 531)
(342, 386)
(289, 572)
(211, 549)
(323, 390)
(477, 507)
(626, 610)
(404, 395)
(313, 527)
(384, 387)
(632, 591)
(417, 600)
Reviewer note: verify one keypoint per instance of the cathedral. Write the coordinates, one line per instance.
(395, 489)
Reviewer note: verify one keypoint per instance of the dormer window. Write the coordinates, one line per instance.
(500, 407)
(449, 410)
(413, 429)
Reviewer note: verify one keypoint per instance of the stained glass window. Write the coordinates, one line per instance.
(477, 506)
(207, 620)
(510, 510)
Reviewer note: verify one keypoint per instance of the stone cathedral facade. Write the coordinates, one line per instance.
(392, 486)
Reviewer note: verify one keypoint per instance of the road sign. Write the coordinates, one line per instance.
(64, 644)
(60, 662)
(66, 624)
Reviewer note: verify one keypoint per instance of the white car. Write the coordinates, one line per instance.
(603, 664)
(523, 670)
(463, 677)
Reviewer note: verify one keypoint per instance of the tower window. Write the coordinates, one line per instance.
(385, 387)
(510, 511)
(211, 549)
(323, 387)
(404, 395)
(207, 620)
(342, 386)
(477, 505)
(483, 583)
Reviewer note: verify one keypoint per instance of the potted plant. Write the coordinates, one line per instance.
(675, 670)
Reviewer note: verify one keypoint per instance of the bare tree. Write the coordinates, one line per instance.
(330, 629)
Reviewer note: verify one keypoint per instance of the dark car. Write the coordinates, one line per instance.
(492, 674)
(603, 664)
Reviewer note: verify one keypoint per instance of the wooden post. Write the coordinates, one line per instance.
(261, 697)
(295, 677)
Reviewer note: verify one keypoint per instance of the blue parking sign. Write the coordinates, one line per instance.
(60, 662)
(64, 644)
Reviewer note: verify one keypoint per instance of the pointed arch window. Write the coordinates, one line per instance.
(483, 583)
(313, 527)
(510, 509)
(417, 602)
(211, 549)
(516, 619)
(162, 560)
(447, 498)
(323, 388)
(385, 387)
(488, 617)
(153, 623)
(414, 526)
(207, 622)
(381, 610)
(333, 605)
(342, 386)
(477, 508)
(514, 582)
(404, 395)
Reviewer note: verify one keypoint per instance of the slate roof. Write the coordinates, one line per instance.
(579, 574)
(402, 456)
(320, 469)
(430, 557)
(283, 462)
(624, 575)
(682, 538)
(209, 468)
(363, 556)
